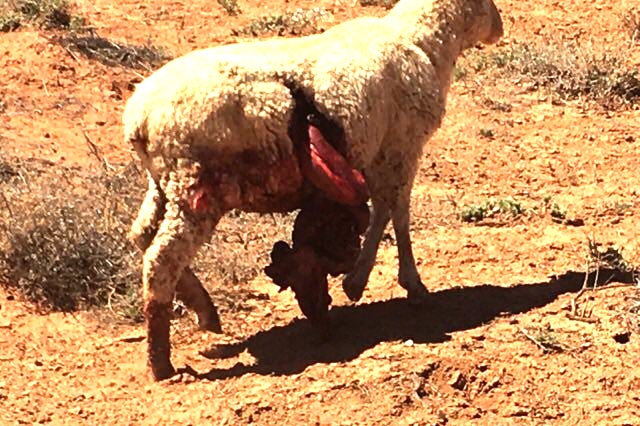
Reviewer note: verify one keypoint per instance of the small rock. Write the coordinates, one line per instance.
(458, 381)
(519, 411)
(495, 382)
(408, 342)
(574, 222)
(622, 337)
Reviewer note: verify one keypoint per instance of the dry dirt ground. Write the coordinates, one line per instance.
(495, 344)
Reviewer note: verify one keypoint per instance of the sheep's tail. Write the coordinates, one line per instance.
(139, 140)
(135, 125)
(145, 227)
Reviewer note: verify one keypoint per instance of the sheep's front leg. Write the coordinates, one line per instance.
(170, 252)
(356, 281)
(408, 275)
(390, 180)
(189, 288)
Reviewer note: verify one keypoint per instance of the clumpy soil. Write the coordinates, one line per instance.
(495, 344)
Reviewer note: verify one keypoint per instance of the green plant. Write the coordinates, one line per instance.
(459, 72)
(490, 208)
(487, 133)
(557, 213)
(545, 339)
(9, 22)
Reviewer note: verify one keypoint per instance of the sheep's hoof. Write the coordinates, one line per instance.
(210, 321)
(353, 286)
(162, 371)
(417, 294)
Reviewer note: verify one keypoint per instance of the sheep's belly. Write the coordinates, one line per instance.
(253, 185)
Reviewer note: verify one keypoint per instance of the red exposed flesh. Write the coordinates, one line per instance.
(330, 172)
(199, 199)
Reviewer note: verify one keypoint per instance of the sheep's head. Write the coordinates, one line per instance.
(484, 23)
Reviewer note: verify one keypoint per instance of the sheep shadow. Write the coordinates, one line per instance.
(289, 349)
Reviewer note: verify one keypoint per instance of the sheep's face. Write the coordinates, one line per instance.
(485, 23)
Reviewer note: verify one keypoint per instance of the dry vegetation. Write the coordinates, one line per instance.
(631, 21)
(48, 14)
(568, 70)
(297, 22)
(64, 244)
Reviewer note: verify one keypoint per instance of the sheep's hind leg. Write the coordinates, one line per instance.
(189, 289)
(171, 251)
(195, 297)
(356, 280)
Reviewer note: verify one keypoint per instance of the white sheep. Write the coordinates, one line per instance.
(221, 128)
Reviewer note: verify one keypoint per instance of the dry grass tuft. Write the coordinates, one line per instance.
(631, 21)
(387, 4)
(48, 14)
(63, 243)
(297, 22)
(111, 53)
(570, 71)
(231, 6)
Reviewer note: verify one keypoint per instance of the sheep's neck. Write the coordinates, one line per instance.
(436, 27)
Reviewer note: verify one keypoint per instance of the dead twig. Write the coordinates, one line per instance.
(544, 345)
(124, 339)
(6, 202)
(585, 285)
(93, 148)
(70, 52)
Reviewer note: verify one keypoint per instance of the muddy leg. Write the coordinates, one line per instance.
(189, 289)
(171, 251)
(157, 316)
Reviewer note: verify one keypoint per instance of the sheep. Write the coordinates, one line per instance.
(227, 128)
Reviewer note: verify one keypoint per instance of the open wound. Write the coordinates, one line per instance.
(330, 172)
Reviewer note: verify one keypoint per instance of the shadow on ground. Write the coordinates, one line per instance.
(289, 349)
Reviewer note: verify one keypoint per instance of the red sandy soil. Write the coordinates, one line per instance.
(469, 356)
